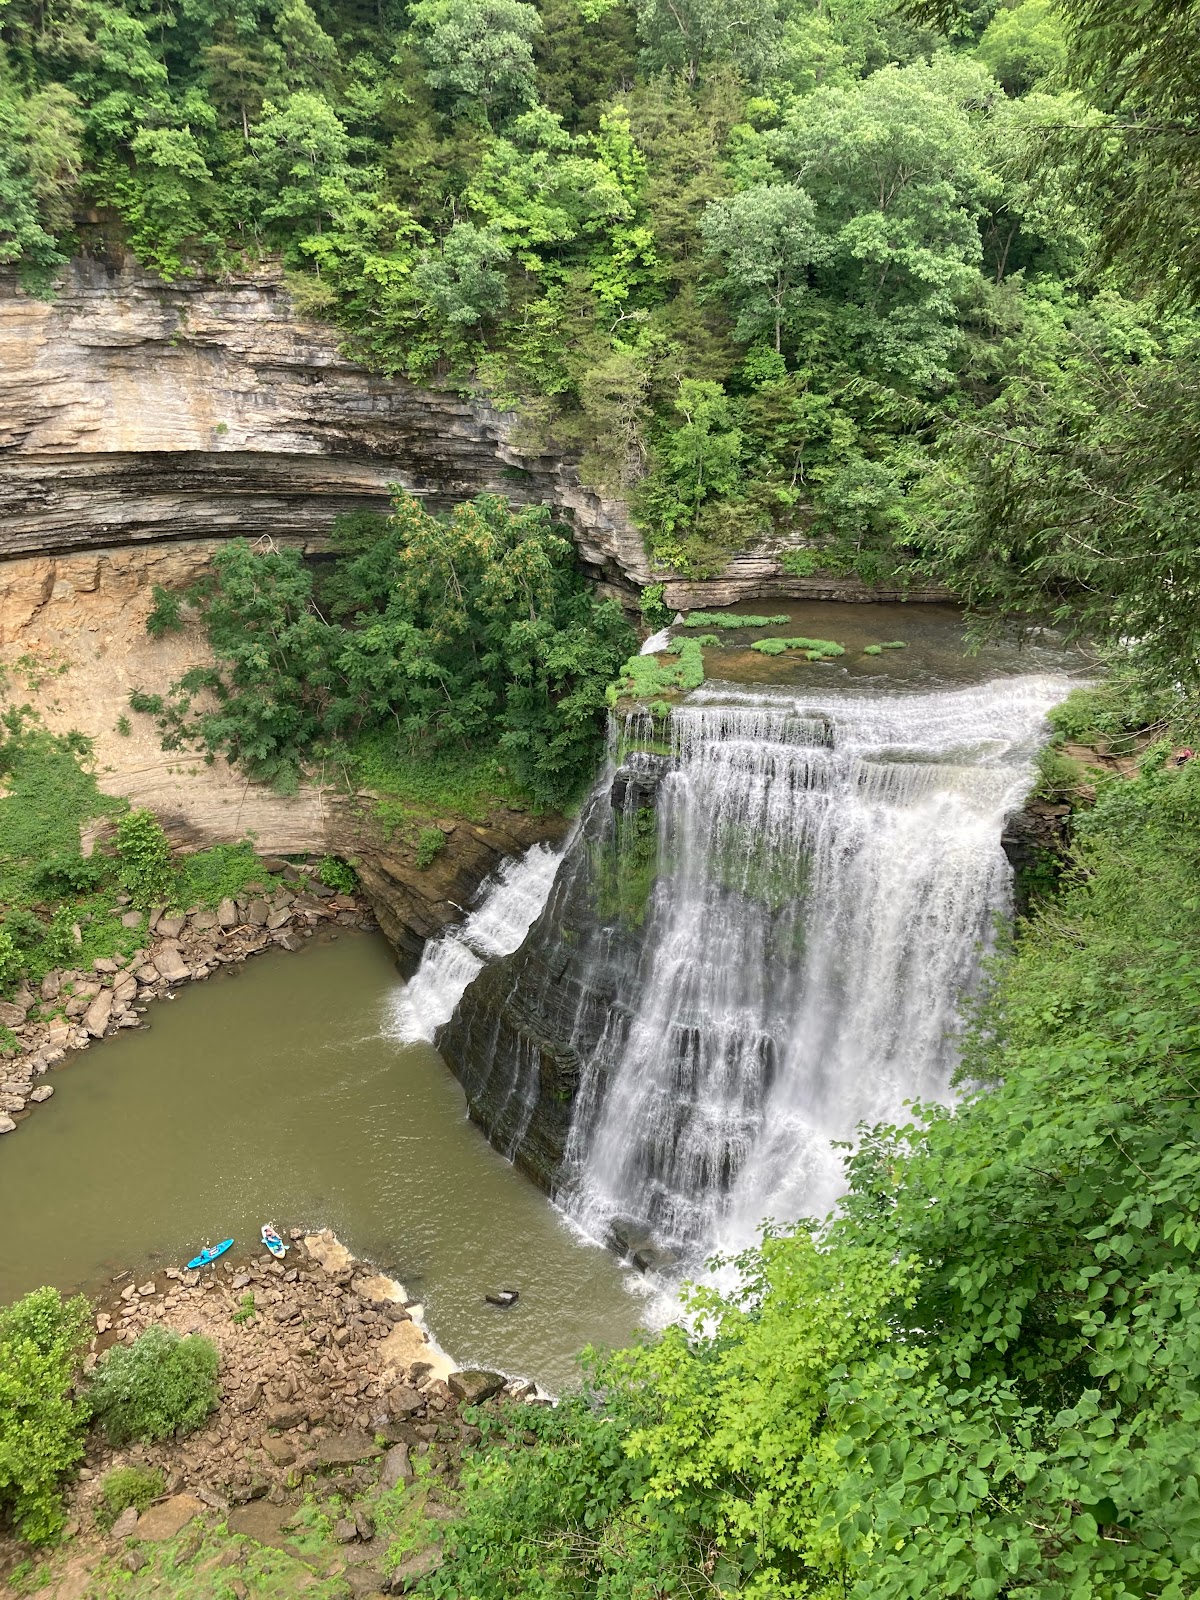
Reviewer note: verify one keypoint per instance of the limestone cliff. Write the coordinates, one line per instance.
(73, 643)
(133, 411)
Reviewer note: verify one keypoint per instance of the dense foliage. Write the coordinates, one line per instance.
(981, 1379)
(475, 632)
(42, 1423)
(158, 1385)
(756, 260)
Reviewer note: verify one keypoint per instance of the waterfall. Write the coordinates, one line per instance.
(508, 905)
(829, 870)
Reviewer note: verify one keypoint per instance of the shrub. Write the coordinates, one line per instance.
(145, 857)
(166, 617)
(655, 612)
(335, 874)
(160, 1384)
(11, 962)
(125, 1487)
(41, 1425)
(430, 844)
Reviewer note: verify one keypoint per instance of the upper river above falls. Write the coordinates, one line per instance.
(293, 1089)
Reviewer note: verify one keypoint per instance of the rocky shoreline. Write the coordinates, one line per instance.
(332, 1391)
(72, 1009)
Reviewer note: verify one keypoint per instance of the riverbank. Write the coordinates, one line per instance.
(333, 1395)
(73, 1008)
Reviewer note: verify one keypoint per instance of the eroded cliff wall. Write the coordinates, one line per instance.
(135, 411)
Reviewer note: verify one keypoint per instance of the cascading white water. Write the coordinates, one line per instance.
(509, 904)
(829, 869)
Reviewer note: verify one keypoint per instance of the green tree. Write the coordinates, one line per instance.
(767, 240)
(463, 283)
(302, 149)
(897, 169)
(1024, 44)
(42, 1424)
(690, 36)
(480, 51)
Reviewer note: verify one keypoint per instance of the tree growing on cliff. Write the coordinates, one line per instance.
(476, 631)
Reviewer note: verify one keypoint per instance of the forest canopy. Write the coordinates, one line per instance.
(767, 265)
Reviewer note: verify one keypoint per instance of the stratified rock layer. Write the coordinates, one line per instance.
(133, 410)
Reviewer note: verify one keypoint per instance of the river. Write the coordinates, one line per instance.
(273, 1092)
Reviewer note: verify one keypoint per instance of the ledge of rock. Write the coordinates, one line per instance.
(132, 410)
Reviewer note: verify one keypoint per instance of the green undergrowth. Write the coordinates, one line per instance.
(650, 677)
(58, 907)
(207, 1562)
(408, 789)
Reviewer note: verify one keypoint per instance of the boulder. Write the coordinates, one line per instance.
(397, 1468)
(403, 1401)
(164, 1521)
(286, 1415)
(475, 1386)
(42, 1092)
(169, 964)
(227, 914)
(280, 1451)
(170, 927)
(257, 912)
(51, 984)
(125, 1523)
(96, 1017)
(7, 1125)
(346, 1449)
(345, 1531)
(413, 1568)
(11, 1016)
(131, 919)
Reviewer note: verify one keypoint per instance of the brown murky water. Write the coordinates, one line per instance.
(271, 1092)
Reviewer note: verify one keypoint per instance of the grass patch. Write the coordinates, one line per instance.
(463, 783)
(812, 649)
(58, 907)
(729, 619)
(651, 677)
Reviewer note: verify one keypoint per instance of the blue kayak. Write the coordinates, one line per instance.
(210, 1253)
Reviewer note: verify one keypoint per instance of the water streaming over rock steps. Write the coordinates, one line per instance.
(757, 939)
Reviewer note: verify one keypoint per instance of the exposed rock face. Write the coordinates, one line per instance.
(1037, 842)
(132, 410)
(510, 1041)
(413, 903)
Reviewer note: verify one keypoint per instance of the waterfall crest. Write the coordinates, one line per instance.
(758, 939)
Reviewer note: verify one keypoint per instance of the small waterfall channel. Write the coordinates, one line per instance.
(508, 905)
(757, 939)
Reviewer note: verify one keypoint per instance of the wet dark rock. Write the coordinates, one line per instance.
(474, 1386)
